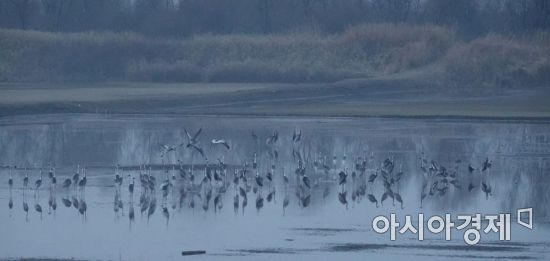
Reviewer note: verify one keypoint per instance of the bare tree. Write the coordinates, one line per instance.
(264, 6)
(187, 17)
(22, 10)
(56, 11)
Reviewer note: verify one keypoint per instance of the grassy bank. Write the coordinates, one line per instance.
(363, 51)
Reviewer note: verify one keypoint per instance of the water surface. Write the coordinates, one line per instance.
(324, 228)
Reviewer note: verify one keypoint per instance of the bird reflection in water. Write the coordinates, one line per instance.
(350, 179)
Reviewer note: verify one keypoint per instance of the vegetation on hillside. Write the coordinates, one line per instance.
(361, 51)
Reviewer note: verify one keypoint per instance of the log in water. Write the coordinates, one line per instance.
(193, 252)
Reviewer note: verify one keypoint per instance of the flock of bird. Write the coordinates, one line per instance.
(177, 184)
(77, 197)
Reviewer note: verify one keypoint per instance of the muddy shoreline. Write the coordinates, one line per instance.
(353, 99)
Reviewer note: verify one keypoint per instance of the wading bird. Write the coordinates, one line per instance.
(53, 179)
(131, 185)
(259, 179)
(486, 165)
(38, 182)
(10, 180)
(486, 189)
(82, 182)
(372, 177)
(38, 209)
(296, 136)
(372, 199)
(306, 181)
(76, 175)
(67, 183)
(26, 207)
(66, 202)
(26, 180)
(342, 198)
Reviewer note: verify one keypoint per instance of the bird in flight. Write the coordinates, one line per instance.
(221, 142)
(192, 140)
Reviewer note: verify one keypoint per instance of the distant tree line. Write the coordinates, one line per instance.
(177, 18)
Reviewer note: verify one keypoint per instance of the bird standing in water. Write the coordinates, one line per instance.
(67, 183)
(372, 199)
(131, 185)
(84, 180)
(38, 183)
(26, 179)
(76, 176)
(259, 179)
(38, 209)
(53, 179)
(306, 181)
(10, 181)
(26, 209)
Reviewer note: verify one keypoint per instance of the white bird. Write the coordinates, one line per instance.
(220, 141)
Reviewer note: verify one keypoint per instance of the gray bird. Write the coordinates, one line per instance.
(38, 182)
(25, 207)
(296, 136)
(326, 192)
(398, 199)
(342, 198)
(270, 196)
(372, 199)
(82, 207)
(486, 165)
(306, 181)
(259, 180)
(10, 180)
(26, 179)
(76, 176)
(66, 202)
(422, 197)
(306, 200)
(199, 150)
(66, 183)
(259, 202)
(38, 208)
(192, 140)
(342, 177)
(372, 177)
(83, 181)
(486, 189)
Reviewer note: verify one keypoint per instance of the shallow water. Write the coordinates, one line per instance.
(325, 229)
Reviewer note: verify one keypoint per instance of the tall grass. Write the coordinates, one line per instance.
(361, 51)
(294, 57)
(500, 61)
(392, 48)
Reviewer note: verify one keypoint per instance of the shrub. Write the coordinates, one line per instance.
(498, 61)
(361, 51)
(393, 48)
(164, 72)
